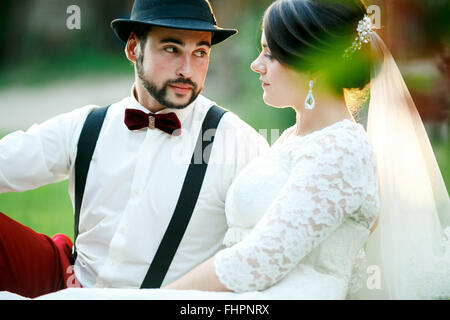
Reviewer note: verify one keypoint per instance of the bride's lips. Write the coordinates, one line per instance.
(264, 84)
(181, 88)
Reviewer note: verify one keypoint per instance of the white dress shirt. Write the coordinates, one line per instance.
(133, 185)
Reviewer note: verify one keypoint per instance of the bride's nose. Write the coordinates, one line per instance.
(258, 66)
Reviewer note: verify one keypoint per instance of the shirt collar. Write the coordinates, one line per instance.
(182, 114)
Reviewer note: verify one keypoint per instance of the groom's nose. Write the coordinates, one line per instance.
(185, 68)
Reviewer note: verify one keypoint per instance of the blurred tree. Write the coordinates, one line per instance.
(108, 11)
(5, 8)
(11, 30)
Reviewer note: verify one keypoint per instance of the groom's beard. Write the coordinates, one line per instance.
(160, 95)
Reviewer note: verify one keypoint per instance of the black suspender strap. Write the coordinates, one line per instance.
(85, 150)
(186, 203)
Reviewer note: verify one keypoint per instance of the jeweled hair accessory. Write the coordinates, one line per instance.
(365, 29)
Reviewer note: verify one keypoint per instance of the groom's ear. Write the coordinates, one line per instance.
(131, 48)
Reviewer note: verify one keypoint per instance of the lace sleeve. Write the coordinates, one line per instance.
(323, 188)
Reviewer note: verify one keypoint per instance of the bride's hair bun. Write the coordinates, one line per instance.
(312, 35)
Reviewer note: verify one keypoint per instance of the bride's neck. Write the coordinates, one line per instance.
(328, 110)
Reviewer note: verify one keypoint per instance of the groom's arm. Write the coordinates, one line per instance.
(41, 155)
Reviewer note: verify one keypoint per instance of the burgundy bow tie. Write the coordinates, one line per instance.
(167, 122)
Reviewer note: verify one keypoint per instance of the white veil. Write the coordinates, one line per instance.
(409, 251)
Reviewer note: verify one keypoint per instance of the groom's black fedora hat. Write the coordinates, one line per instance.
(179, 14)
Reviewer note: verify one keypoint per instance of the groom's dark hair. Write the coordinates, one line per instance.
(312, 35)
(141, 33)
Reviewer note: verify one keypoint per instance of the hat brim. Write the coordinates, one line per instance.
(123, 27)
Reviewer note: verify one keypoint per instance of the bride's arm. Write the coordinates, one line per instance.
(203, 277)
(298, 219)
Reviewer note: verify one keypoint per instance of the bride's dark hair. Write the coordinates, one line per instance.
(312, 35)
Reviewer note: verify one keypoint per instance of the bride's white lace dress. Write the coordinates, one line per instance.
(298, 217)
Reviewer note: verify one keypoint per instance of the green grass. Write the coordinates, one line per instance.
(47, 209)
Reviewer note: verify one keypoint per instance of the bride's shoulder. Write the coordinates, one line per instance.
(350, 134)
(344, 139)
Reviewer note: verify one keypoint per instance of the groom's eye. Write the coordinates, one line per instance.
(170, 49)
(201, 53)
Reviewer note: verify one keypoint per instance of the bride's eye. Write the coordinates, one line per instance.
(265, 52)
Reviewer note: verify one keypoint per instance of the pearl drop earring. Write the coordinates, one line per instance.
(310, 102)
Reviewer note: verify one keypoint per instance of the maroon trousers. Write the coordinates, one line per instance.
(32, 264)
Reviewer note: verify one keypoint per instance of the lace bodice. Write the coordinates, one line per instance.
(304, 202)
